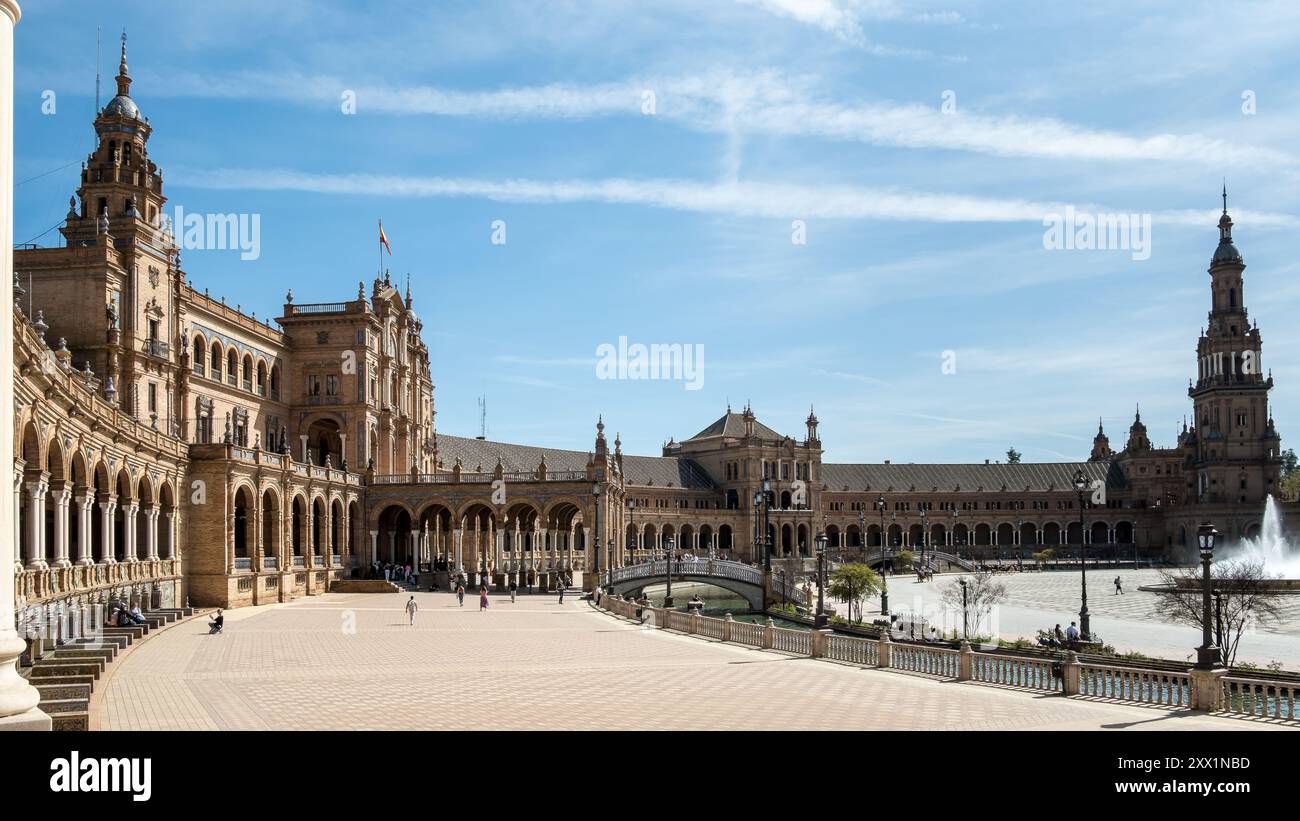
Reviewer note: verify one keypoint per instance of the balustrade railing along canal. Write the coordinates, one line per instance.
(1238, 695)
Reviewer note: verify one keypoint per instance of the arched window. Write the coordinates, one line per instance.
(200, 349)
(216, 360)
(232, 367)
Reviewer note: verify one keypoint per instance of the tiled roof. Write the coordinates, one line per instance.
(479, 454)
(970, 478)
(662, 471)
(733, 425)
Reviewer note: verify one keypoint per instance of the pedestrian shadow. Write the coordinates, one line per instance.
(1124, 725)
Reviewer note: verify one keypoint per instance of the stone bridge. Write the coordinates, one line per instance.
(876, 559)
(742, 579)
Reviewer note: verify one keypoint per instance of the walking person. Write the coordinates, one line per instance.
(411, 609)
(482, 598)
(460, 594)
(562, 589)
(1119, 587)
(514, 588)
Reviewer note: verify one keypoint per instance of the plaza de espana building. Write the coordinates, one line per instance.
(171, 448)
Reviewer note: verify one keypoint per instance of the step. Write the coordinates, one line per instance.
(83, 652)
(135, 631)
(115, 642)
(57, 691)
(65, 679)
(54, 706)
(74, 721)
(51, 669)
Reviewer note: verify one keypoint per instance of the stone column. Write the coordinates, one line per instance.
(62, 502)
(18, 698)
(85, 504)
(151, 533)
(374, 545)
(36, 490)
(108, 540)
(128, 531)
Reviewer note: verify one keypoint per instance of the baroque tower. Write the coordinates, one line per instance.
(1236, 455)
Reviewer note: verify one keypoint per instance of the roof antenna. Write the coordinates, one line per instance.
(482, 418)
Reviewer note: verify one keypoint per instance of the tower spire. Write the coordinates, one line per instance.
(123, 75)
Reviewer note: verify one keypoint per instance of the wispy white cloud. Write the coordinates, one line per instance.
(746, 199)
(844, 20)
(761, 103)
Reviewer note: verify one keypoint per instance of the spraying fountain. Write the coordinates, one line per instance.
(1281, 558)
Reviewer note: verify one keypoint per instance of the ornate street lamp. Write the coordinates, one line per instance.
(767, 537)
(955, 514)
(758, 502)
(924, 536)
(668, 573)
(1208, 656)
(821, 621)
(884, 577)
(636, 547)
(862, 533)
(595, 540)
(965, 623)
(1081, 486)
(1019, 543)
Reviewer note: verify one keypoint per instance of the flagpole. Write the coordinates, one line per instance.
(380, 273)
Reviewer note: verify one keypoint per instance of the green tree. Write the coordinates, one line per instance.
(1013, 456)
(903, 559)
(1290, 486)
(854, 583)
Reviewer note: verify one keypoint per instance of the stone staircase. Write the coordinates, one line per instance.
(65, 673)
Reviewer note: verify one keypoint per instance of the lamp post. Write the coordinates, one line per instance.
(1208, 656)
(1019, 542)
(595, 541)
(924, 535)
(767, 537)
(862, 533)
(1081, 486)
(884, 577)
(668, 573)
(758, 502)
(635, 548)
(821, 621)
(610, 564)
(955, 513)
(1218, 618)
(781, 575)
(965, 623)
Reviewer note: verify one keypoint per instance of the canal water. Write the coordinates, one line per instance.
(717, 603)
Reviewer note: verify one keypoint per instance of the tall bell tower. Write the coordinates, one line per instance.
(1237, 452)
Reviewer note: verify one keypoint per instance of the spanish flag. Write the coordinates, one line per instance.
(383, 240)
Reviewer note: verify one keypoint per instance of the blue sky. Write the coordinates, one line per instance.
(924, 227)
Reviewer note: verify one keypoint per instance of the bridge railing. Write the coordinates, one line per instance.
(1236, 695)
(701, 567)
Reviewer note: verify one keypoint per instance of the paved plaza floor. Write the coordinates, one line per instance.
(351, 661)
(1128, 622)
